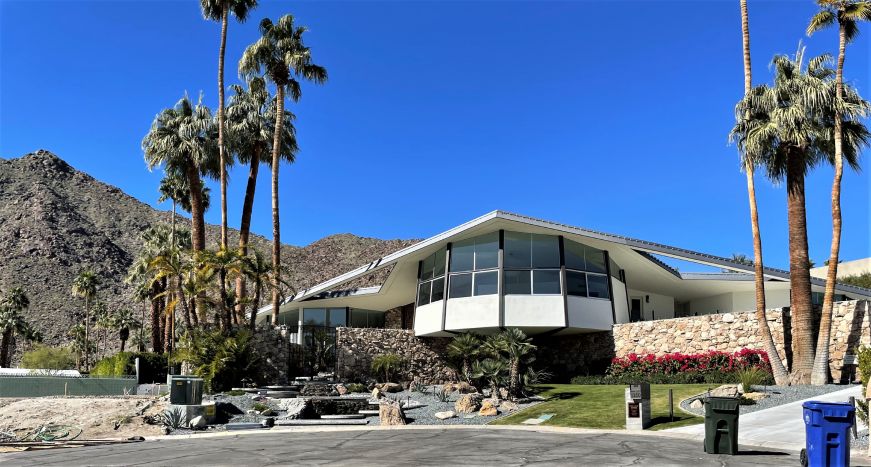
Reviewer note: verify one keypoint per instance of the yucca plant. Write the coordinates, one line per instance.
(749, 377)
(173, 418)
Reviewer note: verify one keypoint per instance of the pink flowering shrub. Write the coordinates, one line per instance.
(675, 363)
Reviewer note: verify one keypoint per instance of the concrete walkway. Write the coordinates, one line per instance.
(780, 427)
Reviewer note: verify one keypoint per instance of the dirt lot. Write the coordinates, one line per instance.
(97, 417)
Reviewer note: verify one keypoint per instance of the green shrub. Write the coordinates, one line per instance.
(120, 364)
(49, 358)
(222, 360)
(710, 377)
(236, 392)
(749, 377)
(864, 363)
(259, 406)
(152, 366)
(387, 365)
(356, 387)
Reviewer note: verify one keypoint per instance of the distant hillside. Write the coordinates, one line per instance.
(56, 220)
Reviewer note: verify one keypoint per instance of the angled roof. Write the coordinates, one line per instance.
(645, 248)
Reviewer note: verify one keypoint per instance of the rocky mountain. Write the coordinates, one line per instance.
(56, 221)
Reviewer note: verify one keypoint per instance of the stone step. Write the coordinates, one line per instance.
(281, 394)
(369, 412)
(243, 426)
(351, 416)
(304, 422)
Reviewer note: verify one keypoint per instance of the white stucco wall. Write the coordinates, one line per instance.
(590, 313)
(746, 301)
(534, 311)
(714, 304)
(472, 312)
(658, 307)
(428, 318)
(621, 306)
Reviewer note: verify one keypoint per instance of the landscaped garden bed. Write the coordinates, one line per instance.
(775, 396)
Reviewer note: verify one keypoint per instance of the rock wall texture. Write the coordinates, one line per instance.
(730, 332)
(579, 354)
(280, 358)
(425, 357)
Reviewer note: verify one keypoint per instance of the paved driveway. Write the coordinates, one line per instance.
(479, 446)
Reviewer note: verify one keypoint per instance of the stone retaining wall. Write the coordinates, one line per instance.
(730, 332)
(425, 357)
(280, 358)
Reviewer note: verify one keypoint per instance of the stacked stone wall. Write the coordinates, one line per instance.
(280, 358)
(730, 332)
(425, 358)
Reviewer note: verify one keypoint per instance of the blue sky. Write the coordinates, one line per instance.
(608, 115)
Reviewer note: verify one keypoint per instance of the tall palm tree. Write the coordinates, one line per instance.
(257, 269)
(220, 10)
(847, 14)
(123, 321)
(788, 132)
(85, 286)
(182, 140)
(251, 126)
(226, 262)
(12, 305)
(285, 58)
(517, 348)
(781, 376)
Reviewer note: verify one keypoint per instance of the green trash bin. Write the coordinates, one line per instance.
(721, 425)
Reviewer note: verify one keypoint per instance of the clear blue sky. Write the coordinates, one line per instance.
(608, 115)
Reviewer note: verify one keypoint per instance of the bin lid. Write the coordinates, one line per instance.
(831, 409)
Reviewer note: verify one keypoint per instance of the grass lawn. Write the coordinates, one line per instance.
(602, 406)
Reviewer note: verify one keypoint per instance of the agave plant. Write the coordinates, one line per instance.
(173, 418)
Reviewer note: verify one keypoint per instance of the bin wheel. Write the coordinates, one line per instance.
(803, 457)
(704, 446)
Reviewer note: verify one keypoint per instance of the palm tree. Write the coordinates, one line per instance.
(182, 140)
(12, 305)
(847, 13)
(225, 262)
(281, 53)
(788, 131)
(251, 126)
(123, 321)
(85, 286)
(465, 347)
(517, 348)
(219, 10)
(781, 376)
(259, 271)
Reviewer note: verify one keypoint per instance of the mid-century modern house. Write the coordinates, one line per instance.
(506, 270)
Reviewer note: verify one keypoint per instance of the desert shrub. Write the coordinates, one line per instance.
(864, 363)
(356, 387)
(120, 364)
(152, 366)
(749, 377)
(236, 392)
(387, 365)
(49, 358)
(259, 406)
(222, 360)
(173, 418)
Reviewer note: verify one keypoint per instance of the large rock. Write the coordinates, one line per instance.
(391, 414)
(488, 409)
(508, 406)
(296, 408)
(726, 390)
(377, 394)
(445, 415)
(389, 387)
(460, 388)
(341, 389)
(696, 404)
(755, 396)
(468, 403)
(198, 423)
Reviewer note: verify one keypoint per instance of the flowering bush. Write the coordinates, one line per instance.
(675, 363)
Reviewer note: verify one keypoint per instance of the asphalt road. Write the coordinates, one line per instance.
(481, 446)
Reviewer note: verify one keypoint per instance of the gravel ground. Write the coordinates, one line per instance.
(426, 415)
(777, 395)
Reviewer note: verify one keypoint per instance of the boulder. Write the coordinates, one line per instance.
(389, 387)
(468, 403)
(268, 413)
(488, 409)
(503, 393)
(495, 402)
(341, 389)
(377, 394)
(460, 388)
(755, 396)
(251, 412)
(295, 408)
(445, 415)
(391, 414)
(508, 406)
(726, 390)
(198, 423)
(696, 404)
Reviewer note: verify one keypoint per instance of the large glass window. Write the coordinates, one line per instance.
(460, 286)
(584, 258)
(545, 281)
(532, 264)
(598, 286)
(366, 318)
(432, 278)
(517, 283)
(338, 317)
(314, 316)
(475, 253)
(576, 283)
(486, 283)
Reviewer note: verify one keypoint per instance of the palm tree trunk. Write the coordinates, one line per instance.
(167, 332)
(198, 224)
(156, 340)
(225, 310)
(514, 375)
(801, 307)
(4, 347)
(87, 332)
(820, 374)
(276, 233)
(245, 223)
(183, 300)
(781, 377)
(252, 323)
(221, 149)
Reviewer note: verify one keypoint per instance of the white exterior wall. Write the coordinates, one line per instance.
(659, 306)
(621, 303)
(534, 311)
(428, 318)
(590, 313)
(715, 304)
(746, 301)
(472, 312)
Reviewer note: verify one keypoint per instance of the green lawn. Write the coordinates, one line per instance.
(601, 406)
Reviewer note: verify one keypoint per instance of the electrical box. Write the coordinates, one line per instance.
(640, 391)
(185, 390)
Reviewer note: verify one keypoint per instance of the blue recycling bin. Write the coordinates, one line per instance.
(827, 433)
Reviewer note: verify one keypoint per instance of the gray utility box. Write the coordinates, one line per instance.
(185, 390)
